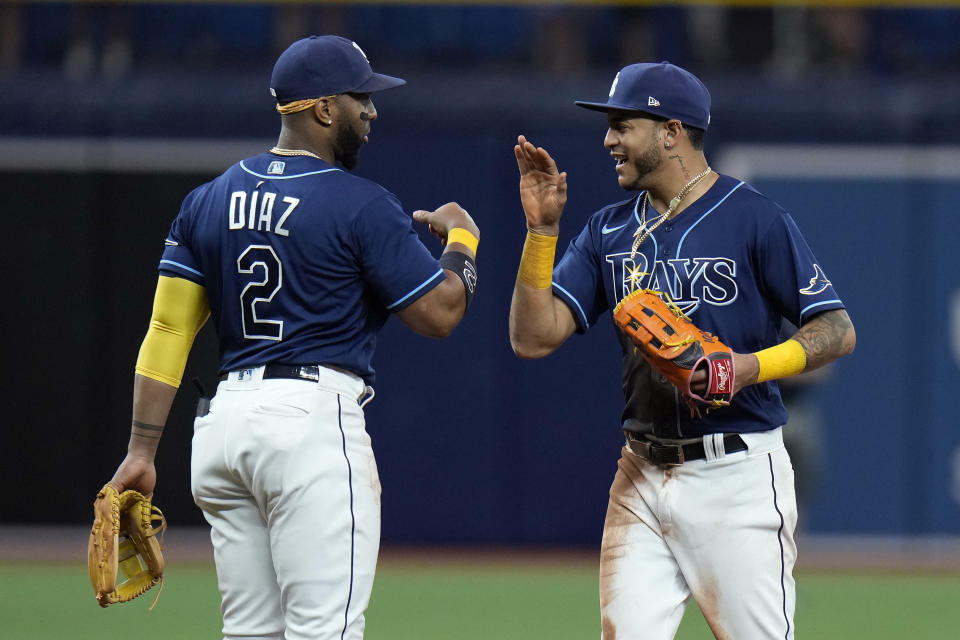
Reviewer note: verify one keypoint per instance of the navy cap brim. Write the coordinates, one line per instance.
(610, 106)
(378, 82)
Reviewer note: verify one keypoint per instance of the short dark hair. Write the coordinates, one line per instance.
(695, 135)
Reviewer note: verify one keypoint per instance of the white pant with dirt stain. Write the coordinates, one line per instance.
(285, 475)
(721, 531)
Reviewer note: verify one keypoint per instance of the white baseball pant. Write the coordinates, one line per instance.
(720, 530)
(285, 475)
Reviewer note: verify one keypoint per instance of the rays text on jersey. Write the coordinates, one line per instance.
(259, 215)
(689, 281)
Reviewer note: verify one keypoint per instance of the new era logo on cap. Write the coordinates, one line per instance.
(653, 102)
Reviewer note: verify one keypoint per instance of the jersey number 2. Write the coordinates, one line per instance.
(260, 291)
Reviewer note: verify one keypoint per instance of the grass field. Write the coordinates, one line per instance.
(463, 601)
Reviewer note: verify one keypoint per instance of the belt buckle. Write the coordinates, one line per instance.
(639, 447)
(660, 448)
(653, 452)
(310, 372)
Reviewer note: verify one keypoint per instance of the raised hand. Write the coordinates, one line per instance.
(543, 189)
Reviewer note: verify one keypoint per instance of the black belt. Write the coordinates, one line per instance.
(309, 372)
(674, 454)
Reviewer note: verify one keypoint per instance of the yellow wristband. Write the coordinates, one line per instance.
(785, 359)
(464, 237)
(536, 263)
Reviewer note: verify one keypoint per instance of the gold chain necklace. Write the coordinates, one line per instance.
(643, 231)
(294, 152)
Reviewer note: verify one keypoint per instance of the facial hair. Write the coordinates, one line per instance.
(348, 143)
(645, 164)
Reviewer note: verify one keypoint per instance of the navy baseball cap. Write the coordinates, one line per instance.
(659, 89)
(325, 66)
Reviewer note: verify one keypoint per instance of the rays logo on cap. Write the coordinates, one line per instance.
(613, 87)
(357, 47)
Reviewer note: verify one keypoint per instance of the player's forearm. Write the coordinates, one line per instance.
(537, 322)
(826, 337)
(437, 314)
(152, 400)
(536, 327)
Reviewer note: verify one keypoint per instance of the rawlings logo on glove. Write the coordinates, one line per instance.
(675, 347)
(123, 541)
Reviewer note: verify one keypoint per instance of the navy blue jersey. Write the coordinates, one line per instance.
(302, 262)
(734, 261)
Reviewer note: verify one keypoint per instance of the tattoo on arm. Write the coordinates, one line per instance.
(144, 430)
(826, 337)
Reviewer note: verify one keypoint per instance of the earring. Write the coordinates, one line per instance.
(666, 145)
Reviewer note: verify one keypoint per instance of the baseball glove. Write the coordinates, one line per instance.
(675, 347)
(124, 541)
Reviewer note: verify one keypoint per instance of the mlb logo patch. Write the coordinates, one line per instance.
(276, 168)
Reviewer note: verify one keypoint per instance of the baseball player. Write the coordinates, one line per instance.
(703, 500)
(298, 263)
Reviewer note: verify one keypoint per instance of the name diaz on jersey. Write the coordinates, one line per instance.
(244, 217)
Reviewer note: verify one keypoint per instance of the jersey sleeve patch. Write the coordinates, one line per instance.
(792, 274)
